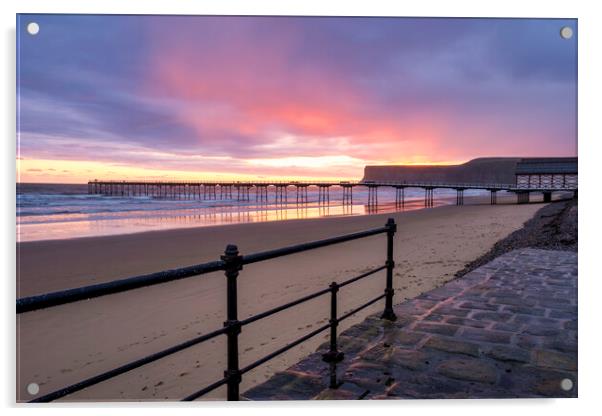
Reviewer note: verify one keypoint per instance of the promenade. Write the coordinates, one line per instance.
(505, 330)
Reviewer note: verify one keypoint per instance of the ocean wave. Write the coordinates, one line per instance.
(52, 203)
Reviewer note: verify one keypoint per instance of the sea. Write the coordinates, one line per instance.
(64, 211)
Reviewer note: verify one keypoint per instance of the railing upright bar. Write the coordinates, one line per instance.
(388, 313)
(333, 356)
(233, 264)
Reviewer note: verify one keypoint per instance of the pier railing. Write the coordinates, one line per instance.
(231, 263)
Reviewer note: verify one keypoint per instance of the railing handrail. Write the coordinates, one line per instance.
(231, 263)
(284, 251)
(62, 297)
(46, 300)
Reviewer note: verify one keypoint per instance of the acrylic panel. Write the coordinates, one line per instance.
(295, 208)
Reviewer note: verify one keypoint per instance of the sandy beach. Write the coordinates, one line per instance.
(66, 344)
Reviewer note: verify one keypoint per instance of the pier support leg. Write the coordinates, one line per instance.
(347, 195)
(399, 197)
(373, 196)
(301, 194)
(523, 197)
(459, 196)
(547, 197)
(323, 194)
(428, 197)
(281, 194)
(261, 193)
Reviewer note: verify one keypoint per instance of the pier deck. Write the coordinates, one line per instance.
(507, 329)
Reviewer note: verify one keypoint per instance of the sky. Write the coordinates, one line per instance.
(198, 97)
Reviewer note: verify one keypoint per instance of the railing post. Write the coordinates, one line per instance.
(388, 312)
(333, 356)
(233, 265)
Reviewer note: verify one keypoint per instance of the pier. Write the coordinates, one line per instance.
(277, 191)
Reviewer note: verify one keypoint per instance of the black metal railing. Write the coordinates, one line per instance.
(231, 263)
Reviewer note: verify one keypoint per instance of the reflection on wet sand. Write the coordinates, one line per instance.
(131, 222)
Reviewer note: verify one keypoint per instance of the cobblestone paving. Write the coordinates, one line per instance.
(507, 329)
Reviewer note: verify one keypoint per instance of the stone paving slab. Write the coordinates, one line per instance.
(505, 330)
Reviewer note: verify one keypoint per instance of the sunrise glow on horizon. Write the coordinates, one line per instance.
(235, 98)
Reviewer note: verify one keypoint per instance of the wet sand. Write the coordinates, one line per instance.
(62, 345)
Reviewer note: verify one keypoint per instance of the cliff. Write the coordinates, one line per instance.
(482, 170)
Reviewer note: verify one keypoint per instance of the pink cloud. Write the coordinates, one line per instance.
(254, 90)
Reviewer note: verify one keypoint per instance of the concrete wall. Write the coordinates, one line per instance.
(483, 170)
